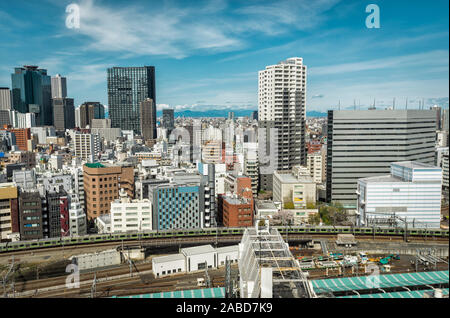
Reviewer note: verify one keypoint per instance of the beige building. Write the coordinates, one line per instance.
(314, 164)
(293, 188)
(101, 186)
(8, 210)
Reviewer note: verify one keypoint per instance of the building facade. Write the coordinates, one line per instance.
(148, 119)
(31, 93)
(63, 113)
(101, 186)
(363, 143)
(281, 112)
(412, 191)
(127, 88)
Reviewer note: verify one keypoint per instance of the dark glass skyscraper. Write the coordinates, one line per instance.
(32, 93)
(168, 121)
(127, 88)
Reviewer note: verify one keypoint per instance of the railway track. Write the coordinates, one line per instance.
(224, 239)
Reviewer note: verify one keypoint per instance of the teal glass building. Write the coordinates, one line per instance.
(32, 93)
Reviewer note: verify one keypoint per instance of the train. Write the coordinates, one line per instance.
(294, 230)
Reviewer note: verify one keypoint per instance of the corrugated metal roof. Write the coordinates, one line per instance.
(218, 292)
(384, 281)
(403, 294)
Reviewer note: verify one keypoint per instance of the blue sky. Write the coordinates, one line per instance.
(207, 53)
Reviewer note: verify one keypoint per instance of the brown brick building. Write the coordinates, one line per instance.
(234, 211)
(101, 186)
(22, 136)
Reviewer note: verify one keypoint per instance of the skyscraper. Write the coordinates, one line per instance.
(127, 88)
(5, 98)
(281, 112)
(88, 111)
(31, 93)
(168, 121)
(63, 113)
(148, 119)
(364, 143)
(59, 87)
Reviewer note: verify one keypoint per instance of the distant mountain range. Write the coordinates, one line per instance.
(224, 113)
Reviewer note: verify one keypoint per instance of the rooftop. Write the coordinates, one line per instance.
(196, 250)
(413, 165)
(168, 258)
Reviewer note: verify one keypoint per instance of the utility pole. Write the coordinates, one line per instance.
(94, 286)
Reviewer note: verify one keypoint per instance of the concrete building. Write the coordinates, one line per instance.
(364, 143)
(177, 206)
(86, 146)
(89, 111)
(26, 157)
(130, 215)
(148, 119)
(167, 265)
(77, 217)
(412, 191)
(199, 257)
(315, 165)
(103, 223)
(32, 220)
(63, 113)
(22, 137)
(9, 211)
(58, 214)
(5, 98)
(194, 259)
(265, 209)
(298, 190)
(97, 260)
(53, 182)
(281, 112)
(235, 211)
(59, 86)
(25, 179)
(101, 186)
(251, 165)
(101, 123)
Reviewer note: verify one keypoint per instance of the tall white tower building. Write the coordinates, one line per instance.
(59, 87)
(281, 111)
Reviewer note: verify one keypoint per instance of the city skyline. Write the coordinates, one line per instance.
(216, 66)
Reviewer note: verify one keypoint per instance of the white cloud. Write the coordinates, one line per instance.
(179, 32)
(432, 58)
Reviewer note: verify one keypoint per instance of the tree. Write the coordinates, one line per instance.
(289, 205)
(314, 219)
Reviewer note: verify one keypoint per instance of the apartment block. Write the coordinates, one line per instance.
(102, 183)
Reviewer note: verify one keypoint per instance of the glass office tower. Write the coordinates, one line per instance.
(127, 88)
(32, 93)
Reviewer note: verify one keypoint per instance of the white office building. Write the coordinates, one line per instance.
(130, 215)
(86, 146)
(315, 166)
(5, 98)
(59, 87)
(281, 112)
(77, 217)
(412, 191)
